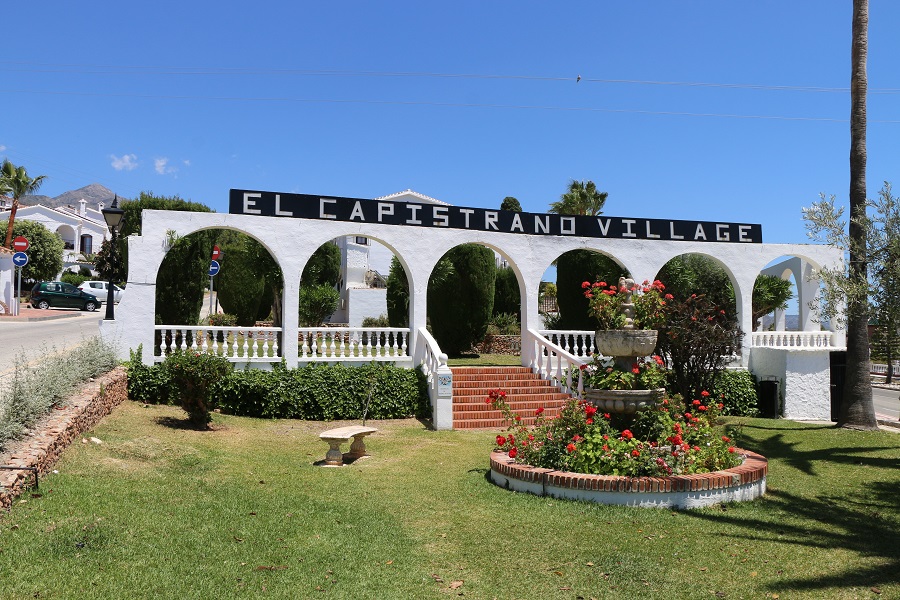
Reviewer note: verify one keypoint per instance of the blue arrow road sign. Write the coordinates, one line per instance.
(213, 268)
(20, 259)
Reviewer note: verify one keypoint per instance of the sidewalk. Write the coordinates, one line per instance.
(27, 313)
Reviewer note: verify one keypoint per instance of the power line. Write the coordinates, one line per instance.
(439, 104)
(173, 70)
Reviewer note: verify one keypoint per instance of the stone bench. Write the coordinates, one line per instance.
(335, 437)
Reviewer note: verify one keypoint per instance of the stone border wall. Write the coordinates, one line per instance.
(746, 481)
(45, 442)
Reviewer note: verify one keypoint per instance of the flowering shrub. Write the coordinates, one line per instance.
(665, 440)
(645, 374)
(605, 303)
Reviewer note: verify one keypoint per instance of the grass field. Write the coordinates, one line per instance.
(159, 511)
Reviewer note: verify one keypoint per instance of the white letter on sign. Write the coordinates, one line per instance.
(248, 203)
(322, 213)
(278, 211)
(384, 209)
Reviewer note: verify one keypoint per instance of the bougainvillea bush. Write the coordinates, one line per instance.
(667, 439)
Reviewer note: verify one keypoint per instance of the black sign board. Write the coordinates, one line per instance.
(416, 214)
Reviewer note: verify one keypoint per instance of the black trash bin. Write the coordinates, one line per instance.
(769, 401)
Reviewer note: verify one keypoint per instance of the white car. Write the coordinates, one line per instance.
(101, 290)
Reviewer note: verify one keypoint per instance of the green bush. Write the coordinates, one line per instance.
(222, 320)
(380, 321)
(193, 376)
(317, 303)
(325, 392)
(147, 384)
(736, 390)
(73, 278)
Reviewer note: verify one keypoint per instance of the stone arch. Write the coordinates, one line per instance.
(68, 235)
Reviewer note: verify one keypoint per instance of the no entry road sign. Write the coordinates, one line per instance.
(20, 244)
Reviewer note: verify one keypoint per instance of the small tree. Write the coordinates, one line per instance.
(45, 250)
(240, 287)
(511, 204)
(506, 292)
(572, 269)
(16, 182)
(769, 293)
(323, 267)
(697, 342)
(193, 377)
(317, 303)
(109, 266)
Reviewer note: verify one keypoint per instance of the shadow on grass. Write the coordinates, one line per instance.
(185, 424)
(857, 523)
(778, 448)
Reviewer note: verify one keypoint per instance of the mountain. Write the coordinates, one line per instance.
(93, 194)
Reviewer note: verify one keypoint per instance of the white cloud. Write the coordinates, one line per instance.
(187, 163)
(2, 147)
(126, 162)
(162, 166)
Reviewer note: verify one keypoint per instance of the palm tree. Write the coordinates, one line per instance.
(581, 199)
(17, 183)
(857, 410)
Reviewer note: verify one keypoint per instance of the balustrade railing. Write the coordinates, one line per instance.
(882, 369)
(433, 363)
(794, 340)
(237, 344)
(330, 344)
(579, 343)
(553, 362)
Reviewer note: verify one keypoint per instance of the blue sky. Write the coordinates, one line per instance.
(467, 101)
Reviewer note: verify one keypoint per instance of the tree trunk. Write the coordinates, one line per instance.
(12, 220)
(857, 410)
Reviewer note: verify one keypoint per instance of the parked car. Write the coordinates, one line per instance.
(64, 295)
(101, 290)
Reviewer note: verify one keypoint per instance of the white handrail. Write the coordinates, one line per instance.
(794, 340)
(553, 362)
(237, 344)
(577, 342)
(433, 362)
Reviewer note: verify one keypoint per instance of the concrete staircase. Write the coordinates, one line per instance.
(525, 393)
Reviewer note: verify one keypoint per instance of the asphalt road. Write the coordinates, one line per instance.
(887, 403)
(34, 339)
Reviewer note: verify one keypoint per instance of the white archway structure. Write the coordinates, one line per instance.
(291, 241)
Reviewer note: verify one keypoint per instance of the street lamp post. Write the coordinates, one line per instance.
(113, 216)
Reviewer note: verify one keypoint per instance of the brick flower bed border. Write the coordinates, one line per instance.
(45, 442)
(746, 481)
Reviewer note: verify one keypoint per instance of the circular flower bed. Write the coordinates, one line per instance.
(671, 441)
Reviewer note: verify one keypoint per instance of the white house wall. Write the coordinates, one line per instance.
(292, 241)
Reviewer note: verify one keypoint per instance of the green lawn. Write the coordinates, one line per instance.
(158, 511)
(486, 360)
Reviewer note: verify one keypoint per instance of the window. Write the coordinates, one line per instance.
(362, 241)
(87, 243)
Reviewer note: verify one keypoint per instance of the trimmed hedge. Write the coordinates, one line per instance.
(313, 392)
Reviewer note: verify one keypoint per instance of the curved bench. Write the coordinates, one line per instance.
(335, 437)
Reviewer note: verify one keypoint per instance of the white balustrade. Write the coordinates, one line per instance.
(794, 340)
(553, 362)
(237, 344)
(882, 369)
(433, 362)
(579, 343)
(342, 344)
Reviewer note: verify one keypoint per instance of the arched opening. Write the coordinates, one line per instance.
(67, 235)
(475, 302)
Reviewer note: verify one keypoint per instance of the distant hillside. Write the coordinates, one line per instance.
(93, 194)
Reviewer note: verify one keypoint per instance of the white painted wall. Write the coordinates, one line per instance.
(803, 380)
(365, 302)
(292, 241)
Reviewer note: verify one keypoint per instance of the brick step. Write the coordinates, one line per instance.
(496, 377)
(494, 369)
(490, 384)
(520, 406)
(486, 423)
(510, 391)
(496, 416)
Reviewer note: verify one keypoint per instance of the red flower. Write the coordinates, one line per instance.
(589, 421)
(635, 453)
(696, 448)
(627, 434)
(636, 370)
(669, 297)
(501, 441)
(605, 437)
(570, 448)
(731, 449)
(687, 416)
(720, 406)
(513, 452)
(605, 448)
(585, 285)
(518, 418)
(605, 415)
(590, 410)
(704, 394)
(701, 408)
(725, 438)
(658, 359)
(539, 411)
(696, 403)
(602, 284)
